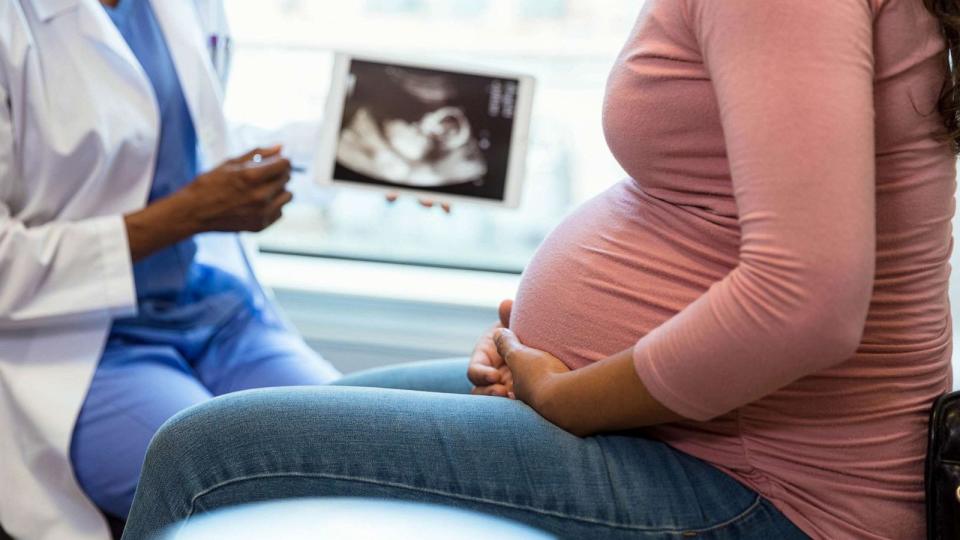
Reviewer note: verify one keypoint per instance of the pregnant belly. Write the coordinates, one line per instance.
(614, 270)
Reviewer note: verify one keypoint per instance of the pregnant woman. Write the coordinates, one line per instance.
(742, 340)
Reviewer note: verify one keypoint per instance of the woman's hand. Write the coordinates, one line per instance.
(604, 396)
(247, 193)
(487, 370)
(535, 373)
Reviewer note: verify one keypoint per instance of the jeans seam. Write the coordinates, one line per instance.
(742, 515)
(193, 502)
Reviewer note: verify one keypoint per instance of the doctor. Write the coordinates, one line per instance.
(116, 311)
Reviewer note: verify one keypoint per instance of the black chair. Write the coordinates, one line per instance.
(941, 477)
(116, 527)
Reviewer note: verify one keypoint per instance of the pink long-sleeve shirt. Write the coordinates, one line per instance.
(779, 258)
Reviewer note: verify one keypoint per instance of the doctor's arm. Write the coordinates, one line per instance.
(80, 271)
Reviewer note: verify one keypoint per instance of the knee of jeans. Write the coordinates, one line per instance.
(196, 434)
(164, 445)
(175, 444)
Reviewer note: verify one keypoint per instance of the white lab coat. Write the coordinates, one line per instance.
(78, 133)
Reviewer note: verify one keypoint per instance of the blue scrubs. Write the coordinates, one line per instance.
(198, 333)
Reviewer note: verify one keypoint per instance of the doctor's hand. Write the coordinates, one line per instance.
(246, 193)
(487, 370)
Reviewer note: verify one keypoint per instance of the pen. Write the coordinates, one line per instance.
(300, 169)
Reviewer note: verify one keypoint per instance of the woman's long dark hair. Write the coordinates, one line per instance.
(948, 13)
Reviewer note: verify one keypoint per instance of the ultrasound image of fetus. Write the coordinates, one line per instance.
(408, 128)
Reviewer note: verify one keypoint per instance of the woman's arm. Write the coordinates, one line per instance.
(604, 396)
(794, 84)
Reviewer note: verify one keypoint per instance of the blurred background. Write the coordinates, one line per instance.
(279, 78)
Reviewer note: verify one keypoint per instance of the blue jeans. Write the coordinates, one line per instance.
(437, 445)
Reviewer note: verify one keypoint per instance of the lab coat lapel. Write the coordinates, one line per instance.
(94, 24)
(180, 23)
(48, 9)
(187, 44)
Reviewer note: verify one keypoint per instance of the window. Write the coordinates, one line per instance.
(279, 78)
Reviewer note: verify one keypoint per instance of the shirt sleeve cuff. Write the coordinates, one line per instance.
(116, 266)
(661, 390)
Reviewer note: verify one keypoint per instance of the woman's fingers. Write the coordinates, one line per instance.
(497, 390)
(506, 376)
(506, 307)
(485, 366)
(507, 344)
(481, 374)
